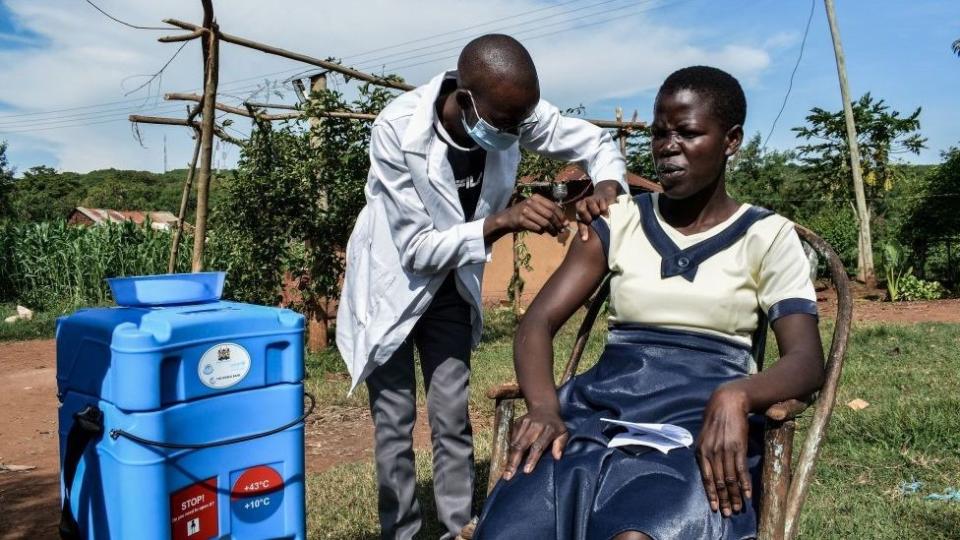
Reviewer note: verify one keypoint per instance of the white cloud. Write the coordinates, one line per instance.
(781, 40)
(89, 59)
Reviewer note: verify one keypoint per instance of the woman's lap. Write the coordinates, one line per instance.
(657, 494)
(597, 492)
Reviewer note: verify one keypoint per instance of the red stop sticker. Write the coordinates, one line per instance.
(254, 481)
(193, 511)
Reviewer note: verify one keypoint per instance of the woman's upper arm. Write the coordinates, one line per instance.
(571, 284)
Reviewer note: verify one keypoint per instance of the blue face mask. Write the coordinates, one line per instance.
(488, 137)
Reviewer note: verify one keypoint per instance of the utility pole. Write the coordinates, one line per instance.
(211, 66)
(317, 326)
(865, 270)
(164, 153)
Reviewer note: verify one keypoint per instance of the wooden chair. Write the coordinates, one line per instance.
(785, 486)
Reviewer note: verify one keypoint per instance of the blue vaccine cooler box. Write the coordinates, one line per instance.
(181, 415)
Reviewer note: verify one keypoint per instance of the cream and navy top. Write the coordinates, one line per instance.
(713, 282)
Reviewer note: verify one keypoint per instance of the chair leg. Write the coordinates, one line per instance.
(777, 458)
(502, 425)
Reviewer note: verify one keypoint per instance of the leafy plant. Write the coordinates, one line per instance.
(913, 288)
(896, 270)
(55, 267)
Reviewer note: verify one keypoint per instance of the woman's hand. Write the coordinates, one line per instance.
(532, 435)
(722, 450)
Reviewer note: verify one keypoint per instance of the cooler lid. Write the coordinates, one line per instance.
(167, 289)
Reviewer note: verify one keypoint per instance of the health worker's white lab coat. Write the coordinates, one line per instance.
(412, 231)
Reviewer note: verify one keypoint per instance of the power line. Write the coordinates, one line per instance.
(140, 100)
(157, 74)
(167, 29)
(96, 116)
(803, 44)
(275, 73)
(282, 72)
(547, 34)
(471, 27)
(523, 24)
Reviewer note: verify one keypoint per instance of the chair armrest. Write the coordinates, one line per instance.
(786, 410)
(505, 391)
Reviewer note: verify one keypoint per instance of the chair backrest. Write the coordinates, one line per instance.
(803, 472)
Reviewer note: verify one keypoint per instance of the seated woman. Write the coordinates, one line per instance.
(691, 270)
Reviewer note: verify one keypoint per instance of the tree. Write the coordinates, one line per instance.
(333, 189)
(291, 204)
(934, 215)
(6, 184)
(43, 194)
(769, 179)
(881, 133)
(639, 157)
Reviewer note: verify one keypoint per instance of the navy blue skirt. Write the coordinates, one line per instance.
(594, 492)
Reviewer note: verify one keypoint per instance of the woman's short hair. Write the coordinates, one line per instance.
(723, 89)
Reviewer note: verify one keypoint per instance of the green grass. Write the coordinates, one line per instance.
(910, 431)
(42, 326)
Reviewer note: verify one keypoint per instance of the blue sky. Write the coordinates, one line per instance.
(599, 53)
(899, 51)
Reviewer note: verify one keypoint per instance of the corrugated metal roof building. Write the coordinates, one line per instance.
(161, 221)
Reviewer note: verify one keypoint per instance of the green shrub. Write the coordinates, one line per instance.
(838, 226)
(912, 288)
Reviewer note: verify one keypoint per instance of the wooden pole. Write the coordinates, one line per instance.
(180, 96)
(865, 270)
(211, 75)
(616, 124)
(622, 133)
(318, 83)
(165, 121)
(182, 215)
(260, 105)
(317, 329)
(325, 64)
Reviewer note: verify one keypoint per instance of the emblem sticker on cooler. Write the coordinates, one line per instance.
(223, 365)
(257, 494)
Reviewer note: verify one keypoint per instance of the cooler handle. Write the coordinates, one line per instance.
(117, 433)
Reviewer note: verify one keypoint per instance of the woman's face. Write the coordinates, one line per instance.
(689, 143)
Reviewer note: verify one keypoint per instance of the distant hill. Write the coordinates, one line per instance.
(44, 194)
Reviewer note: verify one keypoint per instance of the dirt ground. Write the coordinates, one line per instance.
(29, 500)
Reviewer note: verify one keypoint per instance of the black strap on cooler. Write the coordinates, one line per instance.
(117, 433)
(87, 426)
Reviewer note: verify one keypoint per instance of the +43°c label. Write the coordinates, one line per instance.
(257, 494)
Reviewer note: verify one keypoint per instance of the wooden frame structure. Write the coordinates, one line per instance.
(204, 131)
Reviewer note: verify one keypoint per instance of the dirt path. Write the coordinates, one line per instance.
(29, 501)
(867, 308)
(28, 436)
